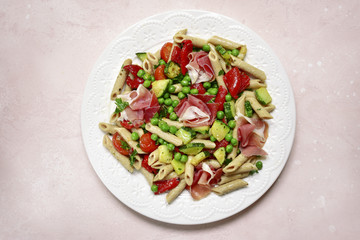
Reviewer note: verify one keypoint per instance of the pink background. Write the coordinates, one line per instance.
(48, 188)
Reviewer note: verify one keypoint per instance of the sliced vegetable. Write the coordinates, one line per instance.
(120, 145)
(192, 148)
(229, 109)
(172, 69)
(159, 87)
(146, 143)
(166, 185)
(185, 135)
(159, 72)
(236, 81)
(165, 51)
(220, 155)
(263, 96)
(141, 55)
(178, 166)
(184, 56)
(219, 130)
(199, 157)
(220, 97)
(202, 129)
(248, 109)
(165, 156)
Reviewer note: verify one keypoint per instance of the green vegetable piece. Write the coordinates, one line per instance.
(172, 70)
(173, 116)
(235, 52)
(194, 91)
(213, 91)
(165, 156)
(154, 188)
(178, 166)
(199, 157)
(154, 137)
(219, 130)
(141, 55)
(228, 137)
(177, 156)
(259, 165)
(134, 136)
(229, 148)
(207, 85)
(175, 103)
(181, 95)
(164, 126)
(187, 78)
(173, 129)
(185, 90)
(229, 109)
(263, 96)
(184, 135)
(220, 155)
(159, 87)
(170, 146)
(248, 109)
(140, 73)
(170, 109)
(162, 62)
(232, 124)
(220, 115)
(161, 100)
(228, 97)
(120, 105)
(154, 121)
(171, 89)
(212, 138)
(147, 83)
(206, 48)
(234, 142)
(192, 148)
(202, 129)
(183, 158)
(168, 101)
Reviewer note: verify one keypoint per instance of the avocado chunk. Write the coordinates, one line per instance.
(248, 109)
(165, 156)
(199, 157)
(159, 87)
(263, 96)
(172, 70)
(202, 129)
(229, 110)
(141, 55)
(192, 148)
(186, 136)
(178, 166)
(219, 130)
(220, 155)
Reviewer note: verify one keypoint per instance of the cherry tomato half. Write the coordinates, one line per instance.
(165, 51)
(159, 73)
(119, 145)
(146, 143)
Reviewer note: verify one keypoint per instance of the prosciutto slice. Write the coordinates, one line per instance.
(199, 67)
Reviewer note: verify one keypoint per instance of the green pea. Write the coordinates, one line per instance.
(134, 136)
(259, 165)
(212, 138)
(213, 91)
(194, 91)
(186, 90)
(177, 156)
(173, 129)
(173, 116)
(207, 85)
(162, 62)
(154, 188)
(214, 84)
(228, 137)
(170, 109)
(161, 100)
(154, 121)
(147, 76)
(164, 126)
(220, 115)
(152, 78)
(175, 103)
(187, 78)
(154, 137)
(235, 52)
(206, 48)
(234, 142)
(181, 95)
(229, 148)
(161, 141)
(184, 158)
(184, 83)
(166, 95)
(171, 89)
(170, 146)
(140, 73)
(228, 97)
(168, 101)
(232, 124)
(147, 83)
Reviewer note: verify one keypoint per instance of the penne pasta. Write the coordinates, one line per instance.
(259, 109)
(228, 178)
(270, 107)
(153, 157)
(166, 136)
(139, 131)
(178, 88)
(152, 58)
(175, 192)
(120, 80)
(163, 172)
(107, 128)
(148, 176)
(235, 164)
(126, 135)
(214, 163)
(224, 66)
(137, 162)
(229, 187)
(246, 67)
(157, 165)
(207, 143)
(240, 105)
(173, 123)
(189, 172)
(157, 54)
(114, 117)
(215, 63)
(147, 66)
(256, 83)
(226, 43)
(125, 161)
(245, 168)
(197, 42)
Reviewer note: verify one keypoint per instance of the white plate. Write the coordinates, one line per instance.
(132, 189)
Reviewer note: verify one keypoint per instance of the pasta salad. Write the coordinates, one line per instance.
(192, 116)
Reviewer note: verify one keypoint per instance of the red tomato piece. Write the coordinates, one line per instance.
(159, 73)
(134, 83)
(146, 143)
(145, 165)
(166, 185)
(236, 81)
(165, 51)
(176, 55)
(133, 68)
(199, 87)
(120, 145)
(184, 56)
(220, 97)
(126, 124)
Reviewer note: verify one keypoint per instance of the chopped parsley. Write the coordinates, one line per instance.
(132, 157)
(221, 72)
(120, 105)
(124, 145)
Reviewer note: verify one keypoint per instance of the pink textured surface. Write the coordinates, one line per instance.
(48, 189)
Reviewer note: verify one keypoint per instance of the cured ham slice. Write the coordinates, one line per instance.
(140, 99)
(199, 67)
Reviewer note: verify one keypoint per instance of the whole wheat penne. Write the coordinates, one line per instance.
(126, 89)
(120, 80)
(166, 136)
(147, 66)
(139, 131)
(228, 178)
(214, 163)
(157, 164)
(114, 117)
(153, 157)
(256, 83)
(182, 31)
(173, 123)
(235, 164)
(178, 88)
(125, 161)
(215, 63)
(148, 176)
(107, 128)
(175, 192)
(189, 172)
(163, 172)
(270, 107)
(157, 54)
(229, 187)
(126, 135)
(152, 58)
(137, 162)
(240, 105)
(226, 43)
(250, 69)
(245, 168)
(174, 175)
(224, 66)
(207, 143)
(259, 109)
(197, 42)
(242, 52)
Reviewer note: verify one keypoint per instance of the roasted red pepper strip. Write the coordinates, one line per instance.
(185, 51)
(220, 97)
(166, 185)
(145, 165)
(133, 83)
(236, 81)
(176, 55)
(222, 143)
(199, 87)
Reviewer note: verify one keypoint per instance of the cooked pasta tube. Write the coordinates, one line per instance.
(120, 80)
(125, 161)
(182, 31)
(270, 107)
(139, 131)
(137, 162)
(173, 123)
(224, 66)
(197, 42)
(214, 163)
(245, 168)
(235, 164)
(148, 176)
(256, 83)
(178, 88)
(157, 54)
(233, 153)
(126, 89)
(259, 109)
(166, 136)
(153, 157)
(107, 127)
(242, 52)
(152, 58)
(174, 97)
(114, 116)
(226, 43)
(175, 192)
(189, 172)
(157, 164)
(174, 175)
(147, 66)
(225, 178)
(163, 172)
(240, 105)
(126, 135)
(237, 62)
(207, 143)
(215, 63)
(229, 187)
